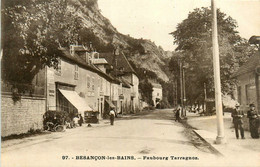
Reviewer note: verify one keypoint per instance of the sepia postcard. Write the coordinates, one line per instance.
(112, 83)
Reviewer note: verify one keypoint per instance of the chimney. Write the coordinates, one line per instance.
(87, 57)
(72, 50)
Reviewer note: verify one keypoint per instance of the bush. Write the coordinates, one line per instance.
(149, 108)
(163, 104)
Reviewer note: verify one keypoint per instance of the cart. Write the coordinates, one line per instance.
(91, 116)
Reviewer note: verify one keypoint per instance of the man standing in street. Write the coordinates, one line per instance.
(237, 115)
(112, 116)
(177, 114)
(253, 121)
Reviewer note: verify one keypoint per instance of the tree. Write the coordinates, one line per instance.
(193, 37)
(146, 89)
(32, 32)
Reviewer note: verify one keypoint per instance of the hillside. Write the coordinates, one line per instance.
(39, 27)
(143, 53)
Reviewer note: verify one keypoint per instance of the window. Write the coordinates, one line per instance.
(58, 70)
(76, 72)
(88, 82)
(158, 94)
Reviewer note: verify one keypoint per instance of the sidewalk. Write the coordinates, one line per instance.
(206, 127)
(46, 135)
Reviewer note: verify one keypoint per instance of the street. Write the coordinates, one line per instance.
(145, 138)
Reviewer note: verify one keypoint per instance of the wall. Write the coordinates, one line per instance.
(157, 93)
(243, 80)
(87, 85)
(135, 90)
(127, 99)
(22, 116)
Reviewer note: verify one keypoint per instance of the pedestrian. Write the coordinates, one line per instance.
(177, 114)
(80, 120)
(253, 121)
(75, 121)
(237, 116)
(112, 116)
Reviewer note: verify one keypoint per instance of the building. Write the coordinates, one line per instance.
(83, 81)
(77, 85)
(157, 93)
(122, 69)
(248, 82)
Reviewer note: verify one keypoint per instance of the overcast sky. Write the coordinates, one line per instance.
(155, 19)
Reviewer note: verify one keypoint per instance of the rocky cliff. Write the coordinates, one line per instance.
(142, 52)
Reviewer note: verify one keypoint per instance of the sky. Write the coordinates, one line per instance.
(155, 19)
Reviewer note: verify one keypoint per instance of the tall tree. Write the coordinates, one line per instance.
(193, 37)
(32, 32)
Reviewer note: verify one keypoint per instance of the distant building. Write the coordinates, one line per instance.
(157, 93)
(120, 68)
(248, 86)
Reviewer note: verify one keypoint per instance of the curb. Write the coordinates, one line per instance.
(211, 147)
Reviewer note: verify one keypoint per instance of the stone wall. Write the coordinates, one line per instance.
(22, 116)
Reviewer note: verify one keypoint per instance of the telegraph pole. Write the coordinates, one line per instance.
(181, 86)
(184, 91)
(218, 100)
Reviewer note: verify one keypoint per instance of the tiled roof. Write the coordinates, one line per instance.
(249, 66)
(122, 62)
(78, 60)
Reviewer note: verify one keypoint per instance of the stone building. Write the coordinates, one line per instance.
(248, 82)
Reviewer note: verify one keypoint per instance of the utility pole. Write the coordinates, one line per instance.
(205, 97)
(181, 86)
(184, 90)
(176, 93)
(218, 100)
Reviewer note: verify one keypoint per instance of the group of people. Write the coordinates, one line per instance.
(77, 120)
(253, 117)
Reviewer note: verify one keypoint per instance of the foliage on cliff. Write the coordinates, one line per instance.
(34, 29)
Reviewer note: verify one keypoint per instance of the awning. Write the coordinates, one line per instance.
(76, 100)
(110, 103)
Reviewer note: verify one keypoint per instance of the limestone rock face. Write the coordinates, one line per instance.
(142, 52)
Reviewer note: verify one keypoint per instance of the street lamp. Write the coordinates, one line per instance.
(218, 100)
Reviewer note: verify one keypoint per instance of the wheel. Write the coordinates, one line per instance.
(59, 128)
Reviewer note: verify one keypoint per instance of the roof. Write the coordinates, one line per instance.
(156, 85)
(254, 40)
(100, 61)
(79, 48)
(125, 83)
(122, 62)
(78, 60)
(249, 66)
